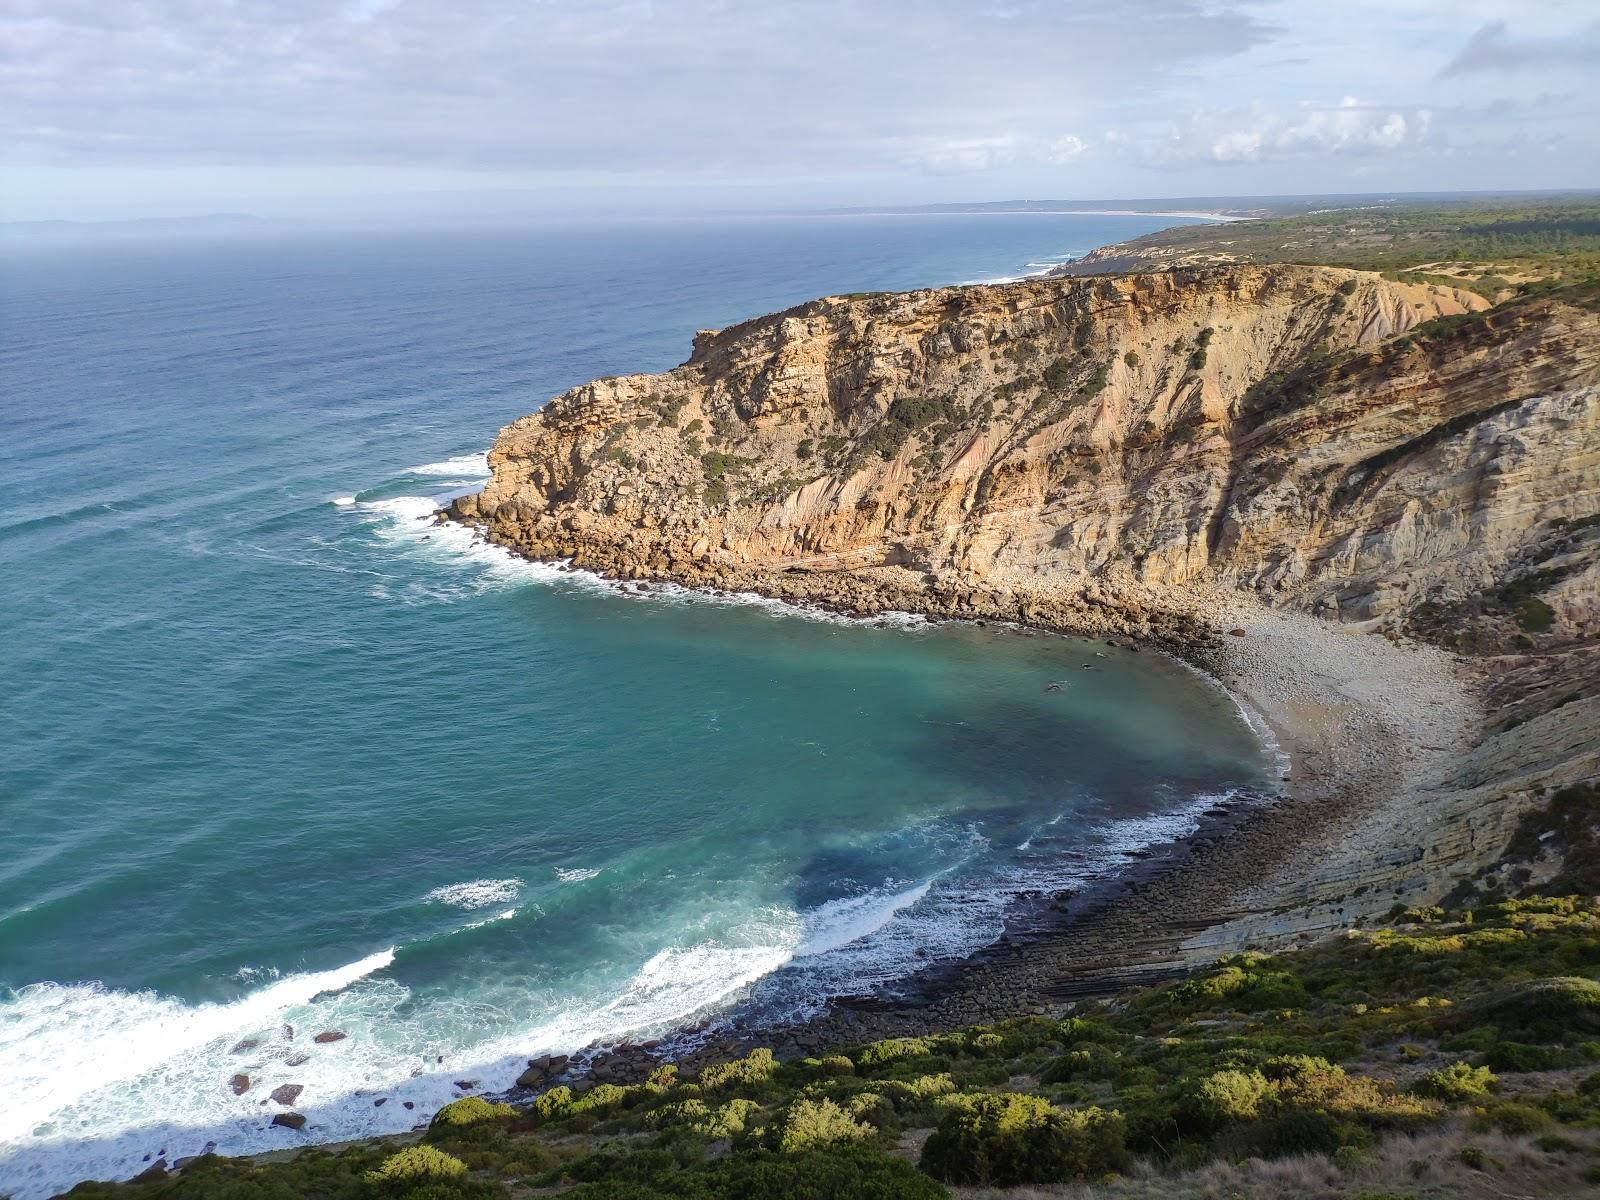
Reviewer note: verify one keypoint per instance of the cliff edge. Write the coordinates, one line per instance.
(1149, 455)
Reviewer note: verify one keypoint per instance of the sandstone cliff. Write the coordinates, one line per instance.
(1267, 428)
(1122, 454)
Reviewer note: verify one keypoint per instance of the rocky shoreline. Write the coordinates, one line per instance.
(1137, 924)
(1304, 481)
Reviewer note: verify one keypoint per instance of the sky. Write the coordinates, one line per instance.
(121, 109)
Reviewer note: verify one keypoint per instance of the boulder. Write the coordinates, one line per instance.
(240, 1084)
(541, 1070)
(330, 1035)
(287, 1093)
(289, 1120)
(243, 1047)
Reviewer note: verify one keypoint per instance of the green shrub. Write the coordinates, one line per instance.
(1515, 1119)
(837, 1173)
(1541, 1010)
(553, 1103)
(753, 1070)
(1011, 1139)
(1225, 1098)
(697, 1116)
(808, 1124)
(882, 1053)
(469, 1114)
(413, 1166)
(1459, 1081)
(908, 1095)
(1131, 358)
(1519, 1056)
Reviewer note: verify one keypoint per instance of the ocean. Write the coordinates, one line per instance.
(278, 757)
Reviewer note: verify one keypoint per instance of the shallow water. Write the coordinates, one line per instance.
(279, 753)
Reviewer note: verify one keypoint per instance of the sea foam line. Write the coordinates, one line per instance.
(60, 1042)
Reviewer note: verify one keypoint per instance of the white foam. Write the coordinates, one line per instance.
(476, 893)
(344, 501)
(463, 466)
(499, 916)
(410, 522)
(86, 1067)
(840, 922)
(576, 874)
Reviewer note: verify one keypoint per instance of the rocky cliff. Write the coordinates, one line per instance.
(1130, 454)
(1314, 435)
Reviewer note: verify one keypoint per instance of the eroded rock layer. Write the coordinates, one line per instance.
(1122, 454)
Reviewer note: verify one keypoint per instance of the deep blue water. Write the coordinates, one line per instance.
(277, 753)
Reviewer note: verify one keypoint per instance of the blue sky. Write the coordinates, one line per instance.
(115, 109)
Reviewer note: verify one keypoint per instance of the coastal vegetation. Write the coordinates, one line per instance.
(1445, 1051)
(1493, 246)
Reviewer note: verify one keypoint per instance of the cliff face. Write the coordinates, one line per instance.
(1107, 442)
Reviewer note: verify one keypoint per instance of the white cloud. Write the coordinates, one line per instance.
(1262, 134)
(983, 154)
(1084, 99)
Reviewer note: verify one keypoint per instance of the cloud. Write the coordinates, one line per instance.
(985, 154)
(582, 85)
(1495, 49)
(863, 98)
(1262, 134)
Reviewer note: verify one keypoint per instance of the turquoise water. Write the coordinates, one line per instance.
(277, 753)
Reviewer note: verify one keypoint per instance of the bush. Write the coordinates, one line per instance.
(1011, 1139)
(1225, 1098)
(808, 1124)
(880, 1054)
(470, 1118)
(1244, 985)
(1519, 1056)
(841, 1173)
(413, 1166)
(697, 1116)
(1459, 1081)
(1542, 1010)
(752, 1070)
(1515, 1119)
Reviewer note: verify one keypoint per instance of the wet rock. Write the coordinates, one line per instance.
(287, 1093)
(240, 1084)
(179, 1164)
(289, 1120)
(245, 1046)
(466, 1085)
(1236, 633)
(330, 1035)
(294, 1060)
(541, 1070)
(380, 1102)
(407, 1104)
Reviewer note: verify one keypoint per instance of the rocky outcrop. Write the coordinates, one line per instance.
(1120, 454)
(1277, 429)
